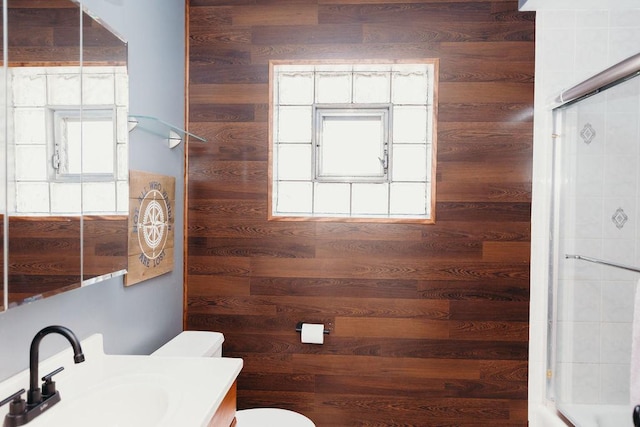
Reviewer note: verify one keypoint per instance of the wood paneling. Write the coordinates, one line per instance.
(226, 412)
(44, 252)
(47, 33)
(104, 245)
(429, 323)
(43, 266)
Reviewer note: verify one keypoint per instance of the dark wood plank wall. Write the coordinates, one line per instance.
(47, 33)
(44, 252)
(429, 323)
(44, 256)
(105, 244)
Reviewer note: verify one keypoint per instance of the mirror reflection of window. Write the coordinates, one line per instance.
(61, 143)
(71, 60)
(84, 143)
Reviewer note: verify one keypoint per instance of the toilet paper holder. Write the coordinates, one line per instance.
(299, 328)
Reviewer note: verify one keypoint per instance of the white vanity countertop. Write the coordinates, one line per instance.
(114, 390)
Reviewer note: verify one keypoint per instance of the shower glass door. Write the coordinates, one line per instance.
(595, 248)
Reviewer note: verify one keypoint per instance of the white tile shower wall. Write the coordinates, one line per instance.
(35, 89)
(572, 45)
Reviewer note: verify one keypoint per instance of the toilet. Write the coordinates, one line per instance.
(209, 344)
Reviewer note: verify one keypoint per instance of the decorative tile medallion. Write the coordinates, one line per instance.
(619, 218)
(588, 133)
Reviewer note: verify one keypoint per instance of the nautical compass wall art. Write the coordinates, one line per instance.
(151, 222)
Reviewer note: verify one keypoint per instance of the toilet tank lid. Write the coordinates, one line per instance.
(192, 344)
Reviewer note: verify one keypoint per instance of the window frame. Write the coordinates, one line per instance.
(321, 111)
(58, 116)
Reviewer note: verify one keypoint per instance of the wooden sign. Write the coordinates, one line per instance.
(151, 222)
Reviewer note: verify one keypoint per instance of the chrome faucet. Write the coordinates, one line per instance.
(39, 400)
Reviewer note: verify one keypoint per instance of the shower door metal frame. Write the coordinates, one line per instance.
(612, 76)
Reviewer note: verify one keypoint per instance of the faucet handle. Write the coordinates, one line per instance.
(18, 405)
(49, 386)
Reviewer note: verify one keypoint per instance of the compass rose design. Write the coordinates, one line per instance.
(151, 234)
(153, 224)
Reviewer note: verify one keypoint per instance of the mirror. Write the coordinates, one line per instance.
(3, 175)
(105, 188)
(66, 200)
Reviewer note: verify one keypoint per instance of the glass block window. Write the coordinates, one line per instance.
(353, 140)
(50, 168)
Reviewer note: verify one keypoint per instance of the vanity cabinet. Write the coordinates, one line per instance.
(225, 415)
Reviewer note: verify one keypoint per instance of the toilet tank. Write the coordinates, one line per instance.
(193, 344)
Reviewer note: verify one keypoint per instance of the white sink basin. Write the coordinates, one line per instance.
(142, 401)
(135, 391)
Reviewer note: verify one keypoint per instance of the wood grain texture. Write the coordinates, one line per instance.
(42, 266)
(104, 244)
(44, 252)
(226, 412)
(152, 202)
(47, 33)
(429, 323)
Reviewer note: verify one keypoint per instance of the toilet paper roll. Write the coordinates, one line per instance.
(312, 333)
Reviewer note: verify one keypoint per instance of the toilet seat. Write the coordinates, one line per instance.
(271, 417)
